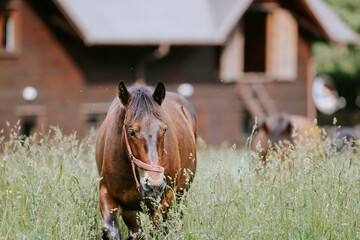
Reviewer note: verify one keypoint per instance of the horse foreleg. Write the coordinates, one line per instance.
(130, 219)
(110, 212)
(165, 205)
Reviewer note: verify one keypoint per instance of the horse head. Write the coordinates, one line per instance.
(144, 132)
(275, 130)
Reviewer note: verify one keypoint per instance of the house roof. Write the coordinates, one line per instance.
(185, 22)
(137, 22)
(332, 26)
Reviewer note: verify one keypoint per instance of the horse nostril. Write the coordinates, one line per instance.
(147, 183)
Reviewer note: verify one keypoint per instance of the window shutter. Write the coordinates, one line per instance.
(10, 31)
(281, 45)
(2, 28)
(232, 56)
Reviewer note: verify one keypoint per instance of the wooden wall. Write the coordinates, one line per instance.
(292, 97)
(75, 82)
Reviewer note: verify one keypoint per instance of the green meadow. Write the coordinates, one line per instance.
(49, 190)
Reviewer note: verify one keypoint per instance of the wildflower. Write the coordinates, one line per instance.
(306, 133)
(190, 232)
(9, 191)
(317, 213)
(334, 120)
(23, 216)
(311, 129)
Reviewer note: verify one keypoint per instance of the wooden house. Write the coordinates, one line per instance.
(60, 60)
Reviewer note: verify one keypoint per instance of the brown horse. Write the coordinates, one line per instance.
(145, 143)
(285, 129)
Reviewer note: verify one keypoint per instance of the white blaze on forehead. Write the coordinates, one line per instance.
(151, 138)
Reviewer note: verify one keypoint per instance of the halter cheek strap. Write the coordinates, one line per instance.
(138, 163)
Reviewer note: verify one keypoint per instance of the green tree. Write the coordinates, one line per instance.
(336, 60)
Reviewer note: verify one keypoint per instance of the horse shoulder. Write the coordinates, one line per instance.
(259, 138)
(301, 122)
(183, 119)
(304, 125)
(100, 144)
(106, 136)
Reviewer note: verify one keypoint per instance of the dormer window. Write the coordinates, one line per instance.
(8, 32)
(255, 42)
(262, 48)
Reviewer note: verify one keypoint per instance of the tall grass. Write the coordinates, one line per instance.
(49, 190)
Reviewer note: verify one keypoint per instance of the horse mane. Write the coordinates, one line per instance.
(142, 104)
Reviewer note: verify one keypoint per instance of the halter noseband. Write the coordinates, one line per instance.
(139, 163)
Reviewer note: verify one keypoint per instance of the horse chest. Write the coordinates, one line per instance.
(126, 195)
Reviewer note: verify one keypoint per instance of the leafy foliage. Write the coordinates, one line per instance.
(341, 61)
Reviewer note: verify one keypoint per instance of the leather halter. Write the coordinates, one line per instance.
(139, 163)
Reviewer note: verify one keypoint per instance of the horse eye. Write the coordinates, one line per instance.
(165, 130)
(132, 133)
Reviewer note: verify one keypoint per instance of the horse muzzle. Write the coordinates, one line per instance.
(151, 188)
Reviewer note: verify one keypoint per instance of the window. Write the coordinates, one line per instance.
(32, 117)
(8, 31)
(94, 121)
(255, 41)
(93, 115)
(263, 47)
(28, 125)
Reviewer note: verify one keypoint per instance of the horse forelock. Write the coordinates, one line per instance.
(278, 123)
(142, 104)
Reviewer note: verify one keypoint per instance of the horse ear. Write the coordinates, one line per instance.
(289, 128)
(124, 95)
(266, 128)
(159, 93)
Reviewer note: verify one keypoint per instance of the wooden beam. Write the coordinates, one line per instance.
(251, 103)
(265, 99)
(248, 77)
